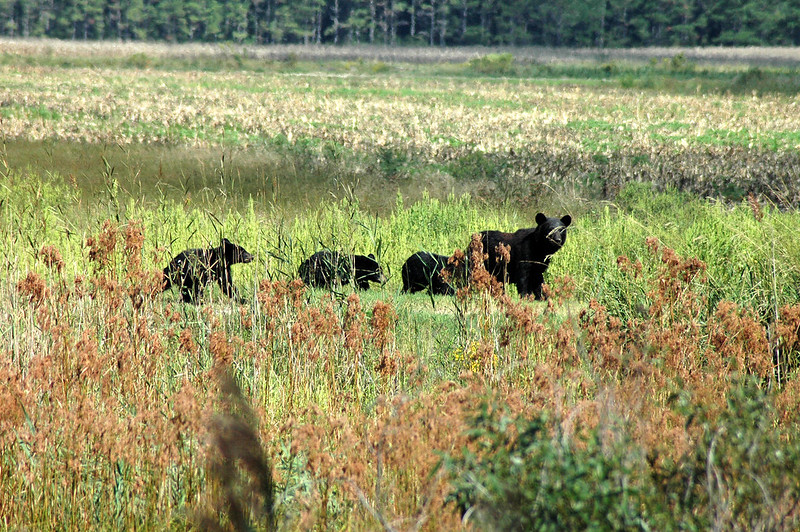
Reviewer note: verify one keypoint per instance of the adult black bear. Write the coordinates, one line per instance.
(530, 252)
(191, 270)
(423, 271)
(327, 269)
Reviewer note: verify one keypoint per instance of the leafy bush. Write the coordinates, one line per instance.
(737, 476)
(477, 165)
(527, 474)
(378, 67)
(493, 64)
(139, 60)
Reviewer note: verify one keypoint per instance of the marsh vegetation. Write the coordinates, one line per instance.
(655, 388)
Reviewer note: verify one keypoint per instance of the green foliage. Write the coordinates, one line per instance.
(379, 67)
(441, 226)
(679, 63)
(477, 165)
(34, 210)
(757, 80)
(493, 64)
(628, 23)
(526, 474)
(78, 343)
(392, 161)
(517, 471)
(139, 60)
(735, 476)
(750, 261)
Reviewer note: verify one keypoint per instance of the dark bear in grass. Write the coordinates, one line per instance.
(328, 269)
(530, 252)
(423, 271)
(191, 270)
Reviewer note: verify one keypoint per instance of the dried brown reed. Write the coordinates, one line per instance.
(187, 411)
(480, 280)
(102, 247)
(241, 490)
(52, 258)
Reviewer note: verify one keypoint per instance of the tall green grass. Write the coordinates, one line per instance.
(752, 258)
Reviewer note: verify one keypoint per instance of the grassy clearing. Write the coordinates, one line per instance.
(661, 375)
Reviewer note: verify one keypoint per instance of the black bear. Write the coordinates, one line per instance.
(423, 271)
(327, 269)
(191, 270)
(530, 252)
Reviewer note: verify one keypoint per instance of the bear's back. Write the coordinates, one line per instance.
(324, 269)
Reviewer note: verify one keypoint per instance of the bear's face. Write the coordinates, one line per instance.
(551, 233)
(234, 254)
(368, 269)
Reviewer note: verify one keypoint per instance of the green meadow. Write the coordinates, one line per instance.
(655, 388)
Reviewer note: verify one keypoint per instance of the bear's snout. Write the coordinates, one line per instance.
(556, 236)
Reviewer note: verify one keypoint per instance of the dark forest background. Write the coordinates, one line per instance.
(596, 23)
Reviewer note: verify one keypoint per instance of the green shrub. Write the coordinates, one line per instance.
(378, 67)
(477, 165)
(493, 64)
(139, 60)
(526, 474)
(737, 475)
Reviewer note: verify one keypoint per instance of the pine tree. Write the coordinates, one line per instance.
(134, 13)
(359, 21)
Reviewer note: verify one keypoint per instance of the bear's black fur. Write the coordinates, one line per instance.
(327, 269)
(531, 249)
(191, 270)
(423, 271)
(367, 269)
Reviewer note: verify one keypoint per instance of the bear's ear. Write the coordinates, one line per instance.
(225, 242)
(566, 220)
(540, 218)
(371, 256)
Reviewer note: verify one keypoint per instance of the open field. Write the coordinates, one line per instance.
(656, 388)
(485, 126)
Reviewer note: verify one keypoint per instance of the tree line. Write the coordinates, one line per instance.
(593, 23)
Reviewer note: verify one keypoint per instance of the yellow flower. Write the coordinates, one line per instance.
(474, 357)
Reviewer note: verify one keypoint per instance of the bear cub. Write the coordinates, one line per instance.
(328, 269)
(191, 270)
(423, 271)
(530, 252)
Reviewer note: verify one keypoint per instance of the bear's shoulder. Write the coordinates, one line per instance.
(365, 262)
